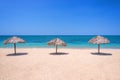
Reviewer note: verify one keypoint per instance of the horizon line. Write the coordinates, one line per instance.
(61, 35)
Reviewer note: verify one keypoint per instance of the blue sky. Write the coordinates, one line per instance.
(59, 17)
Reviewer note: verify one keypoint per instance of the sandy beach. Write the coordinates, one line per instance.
(73, 64)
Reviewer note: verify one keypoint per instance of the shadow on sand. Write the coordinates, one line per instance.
(102, 54)
(59, 53)
(17, 54)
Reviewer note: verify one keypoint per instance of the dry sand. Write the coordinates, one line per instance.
(78, 64)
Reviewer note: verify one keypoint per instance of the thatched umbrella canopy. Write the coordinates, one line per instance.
(57, 42)
(99, 40)
(14, 40)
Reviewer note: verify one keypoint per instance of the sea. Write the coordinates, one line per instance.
(72, 41)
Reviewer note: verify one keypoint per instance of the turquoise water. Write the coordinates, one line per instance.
(73, 41)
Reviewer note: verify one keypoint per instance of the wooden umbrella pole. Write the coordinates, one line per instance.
(56, 48)
(15, 48)
(98, 48)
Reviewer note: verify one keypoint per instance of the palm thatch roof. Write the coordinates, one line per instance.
(99, 40)
(57, 42)
(14, 40)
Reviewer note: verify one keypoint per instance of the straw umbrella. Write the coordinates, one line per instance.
(99, 40)
(14, 40)
(57, 42)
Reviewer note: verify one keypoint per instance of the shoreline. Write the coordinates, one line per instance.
(54, 47)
